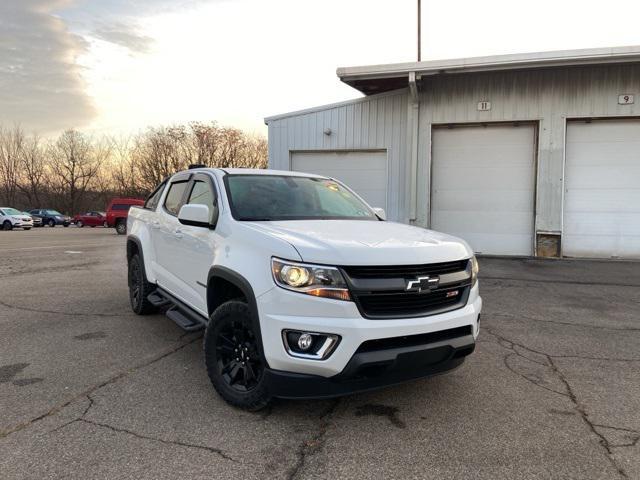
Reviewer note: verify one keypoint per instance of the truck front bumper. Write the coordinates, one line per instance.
(374, 369)
(352, 366)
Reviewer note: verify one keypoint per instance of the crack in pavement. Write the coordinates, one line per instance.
(577, 406)
(87, 392)
(73, 314)
(634, 433)
(559, 322)
(179, 443)
(312, 446)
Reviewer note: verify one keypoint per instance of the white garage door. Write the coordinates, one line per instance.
(602, 189)
(483, 186)
(364, 172)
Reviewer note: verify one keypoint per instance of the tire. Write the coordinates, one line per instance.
(65, 225)
(139, 287)
(51, 222)
(240, 381)
(105, 224)
(7, 225)
(121, 227)
(27, 228)
(79, 224)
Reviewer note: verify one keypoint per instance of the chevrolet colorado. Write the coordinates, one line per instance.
(305, 291)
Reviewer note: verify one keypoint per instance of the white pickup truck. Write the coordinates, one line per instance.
(305, 291)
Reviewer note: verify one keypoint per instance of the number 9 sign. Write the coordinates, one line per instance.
(625, 99)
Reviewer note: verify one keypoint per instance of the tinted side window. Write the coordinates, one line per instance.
(173, 202)
(120, 206)
(201, 194)
(154, 198)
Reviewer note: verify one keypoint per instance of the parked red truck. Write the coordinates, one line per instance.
(118, 211)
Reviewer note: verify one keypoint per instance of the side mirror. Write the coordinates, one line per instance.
(194, 215)
(380, 213)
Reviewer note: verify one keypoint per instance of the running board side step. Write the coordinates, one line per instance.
(181, 314)
(157, 300)
(183, 320)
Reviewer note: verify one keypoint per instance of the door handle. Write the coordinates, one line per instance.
(178, 233)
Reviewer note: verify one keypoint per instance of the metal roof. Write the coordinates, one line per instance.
(381, 78)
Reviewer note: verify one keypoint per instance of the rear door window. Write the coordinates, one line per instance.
(173, 202)
(154, 198)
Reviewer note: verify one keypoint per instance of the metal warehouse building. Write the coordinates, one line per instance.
(533, 154)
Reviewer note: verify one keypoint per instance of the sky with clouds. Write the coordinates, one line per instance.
(117, 66)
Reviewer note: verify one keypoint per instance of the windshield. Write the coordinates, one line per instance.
(279, 197)
(11, 211)
(53, 212)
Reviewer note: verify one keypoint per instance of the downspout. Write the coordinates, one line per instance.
(412, 134)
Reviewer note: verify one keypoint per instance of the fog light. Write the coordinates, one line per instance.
(304, 341)
(309, 345)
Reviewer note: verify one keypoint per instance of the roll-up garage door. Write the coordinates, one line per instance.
(363, 171)
(602, 189)
(483, 186)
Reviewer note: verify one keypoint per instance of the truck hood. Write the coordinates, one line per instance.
(362, 242)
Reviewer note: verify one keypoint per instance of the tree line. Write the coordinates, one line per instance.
(76, 171)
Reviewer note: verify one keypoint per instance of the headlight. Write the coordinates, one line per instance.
(473, 264)
(317, 280)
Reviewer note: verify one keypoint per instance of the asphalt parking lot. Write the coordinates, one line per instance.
(89, 390)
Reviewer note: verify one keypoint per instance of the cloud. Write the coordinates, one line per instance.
(125, 36)
(41, 84)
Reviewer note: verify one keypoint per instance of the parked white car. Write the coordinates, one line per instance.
(11, 218)
(305, 291)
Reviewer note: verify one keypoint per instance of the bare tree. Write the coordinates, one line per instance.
(33, 176)
(11, 145)
(75, 162)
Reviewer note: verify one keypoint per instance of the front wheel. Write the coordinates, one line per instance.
(235, 365)
(79, 224)
(51, 223)
(121, 228)
(27, 228)
(139, 287)
(7, 225)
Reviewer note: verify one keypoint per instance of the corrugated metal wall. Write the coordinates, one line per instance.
(371, 123)
(545, 96)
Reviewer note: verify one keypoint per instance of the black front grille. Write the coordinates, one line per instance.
(405, 271)
(401, 304)
(380, 291)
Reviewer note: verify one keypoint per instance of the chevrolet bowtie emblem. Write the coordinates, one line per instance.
(422, 284)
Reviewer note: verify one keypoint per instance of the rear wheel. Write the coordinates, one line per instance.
(121, 227)
(27, 228)
(139, 287)
(235, 365)
(7, 225)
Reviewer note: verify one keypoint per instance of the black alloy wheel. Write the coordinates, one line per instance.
(139, 287)
(135, 284)
(235, 363)
(239, 363)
